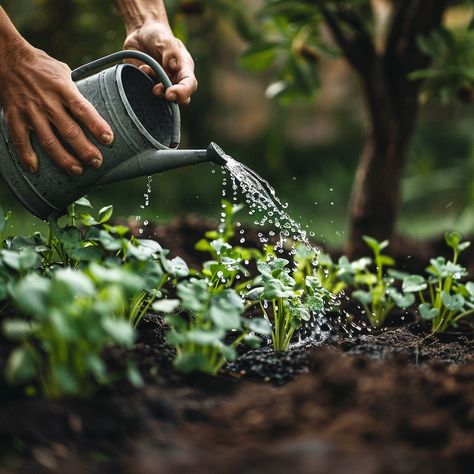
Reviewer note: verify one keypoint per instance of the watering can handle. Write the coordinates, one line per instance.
(83, 71)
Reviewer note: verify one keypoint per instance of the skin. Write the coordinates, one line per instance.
(37, 92)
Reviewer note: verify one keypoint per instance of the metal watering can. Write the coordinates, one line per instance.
(146, 134)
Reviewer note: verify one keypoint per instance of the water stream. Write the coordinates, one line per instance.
(270, 213)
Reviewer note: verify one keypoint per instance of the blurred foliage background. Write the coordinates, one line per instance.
(307, 149)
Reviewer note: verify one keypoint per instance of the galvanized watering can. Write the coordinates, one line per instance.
(146, 134)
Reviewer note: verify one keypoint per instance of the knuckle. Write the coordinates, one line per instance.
(50, 106)
(71, 132)
(18, 140)
(48, 142)
(79, 106)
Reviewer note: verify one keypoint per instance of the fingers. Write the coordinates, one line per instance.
(20, 135)
(72, 133)
(51, 144)
(180, 67)
(82, 109)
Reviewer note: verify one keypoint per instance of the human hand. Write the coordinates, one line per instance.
(156, 39)
(37, 94)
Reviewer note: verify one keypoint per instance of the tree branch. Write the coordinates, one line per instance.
(358, 47)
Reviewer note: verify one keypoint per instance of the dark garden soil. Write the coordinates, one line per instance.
(358, 401)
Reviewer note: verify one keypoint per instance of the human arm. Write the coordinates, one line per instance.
(37, 94)
(148, 30)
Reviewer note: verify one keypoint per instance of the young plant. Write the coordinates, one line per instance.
(443, 299)
(68, 322)
(200, 335)
(309, 262)
(283, 303)
(228, 263)
(374, 289)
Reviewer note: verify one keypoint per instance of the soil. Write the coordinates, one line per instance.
(356, 401)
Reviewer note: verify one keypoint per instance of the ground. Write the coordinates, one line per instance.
(391, 401)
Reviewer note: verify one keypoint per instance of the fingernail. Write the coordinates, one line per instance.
(76, 170)
(172, 96)
(32, 169)
(96, 163)
(107, 138)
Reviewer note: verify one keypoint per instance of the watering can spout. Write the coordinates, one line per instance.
(156, 161)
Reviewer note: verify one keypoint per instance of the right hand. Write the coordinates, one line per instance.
(37, 94)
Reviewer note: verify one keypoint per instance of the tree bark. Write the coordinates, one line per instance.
(377, 184)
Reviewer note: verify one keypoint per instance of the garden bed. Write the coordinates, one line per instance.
(394, 400)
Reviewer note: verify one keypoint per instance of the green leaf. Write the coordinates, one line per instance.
(203, 246)
(20, 366)
(452, 302)
(385, 260)
(145, 249)
(105, 214)
(453, 239)
(193, 294)
(87, 219)
(397, 274)
(366, 279)
(76, 281)
(252, 341)
(403, 301)
(259, 325)
(30, 295)
(414, 283)
(108, 241)
(228, 352)
(86, 254)
(226, 309)
(374, 244)
(19, 329)
(427, 311)
(176, 266)
(363, 296)
(24, 259)
(84, 202)
(254, 294)
(275, 289)
(66, 380)
(470, 288)
(165, 306)
(119, 330)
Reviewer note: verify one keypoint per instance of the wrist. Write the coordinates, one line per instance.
(12, 44)
(137, 13)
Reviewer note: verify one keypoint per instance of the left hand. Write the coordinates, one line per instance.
(157, 40)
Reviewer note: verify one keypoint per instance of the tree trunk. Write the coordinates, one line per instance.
(376, 188)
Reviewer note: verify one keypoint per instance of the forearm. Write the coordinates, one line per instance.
(136, 13)
(9, 35)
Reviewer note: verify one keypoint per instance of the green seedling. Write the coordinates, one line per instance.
(67, 323)
(375, 291)
(443, 299)
(330, 274)
(283, 303)
(199, 335)
(227, 267)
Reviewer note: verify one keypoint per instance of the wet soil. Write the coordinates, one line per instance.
(357, 401)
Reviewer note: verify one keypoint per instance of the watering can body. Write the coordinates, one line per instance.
(146, 134)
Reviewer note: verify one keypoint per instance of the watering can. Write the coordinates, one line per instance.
(146, 134)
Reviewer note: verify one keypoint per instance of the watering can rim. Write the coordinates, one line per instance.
(131, 113)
